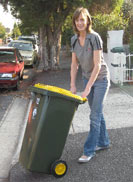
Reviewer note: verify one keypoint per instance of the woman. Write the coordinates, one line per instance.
(87, 50)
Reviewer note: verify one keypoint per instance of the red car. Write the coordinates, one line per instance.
(11, 67)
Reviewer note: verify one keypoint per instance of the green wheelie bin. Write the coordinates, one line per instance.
(48, 124)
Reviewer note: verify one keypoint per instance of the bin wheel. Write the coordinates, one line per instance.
(59, 168)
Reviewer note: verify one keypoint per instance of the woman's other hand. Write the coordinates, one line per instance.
(85, 93)
(73, 90)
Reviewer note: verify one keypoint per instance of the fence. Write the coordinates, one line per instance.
(121, 67)
(128, 69)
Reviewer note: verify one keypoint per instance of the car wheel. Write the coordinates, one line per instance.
(35, 63)
(17, 85)
(22, 76)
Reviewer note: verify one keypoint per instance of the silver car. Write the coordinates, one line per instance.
(27, 51)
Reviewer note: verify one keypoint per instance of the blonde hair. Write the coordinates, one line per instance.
(76, 14)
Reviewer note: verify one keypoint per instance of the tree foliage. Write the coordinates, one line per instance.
(106, 22)
(51, 19)
(127, 10)
(16, 31)
(2, 31)
(67, 31)
(34, 13)
(105, 6)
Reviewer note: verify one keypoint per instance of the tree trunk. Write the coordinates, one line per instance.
(53, 47)
(49, 49)
(58, 47)
(43, 50)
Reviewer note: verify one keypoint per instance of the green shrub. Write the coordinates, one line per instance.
(107, 22)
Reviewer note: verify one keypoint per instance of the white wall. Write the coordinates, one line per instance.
(115, 39)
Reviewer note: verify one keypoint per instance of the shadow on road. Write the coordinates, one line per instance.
(112, 165)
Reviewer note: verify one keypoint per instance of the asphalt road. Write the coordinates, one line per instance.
(7, 95)
(5, 101)
(112, 165)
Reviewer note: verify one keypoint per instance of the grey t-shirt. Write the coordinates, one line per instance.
(84, 54)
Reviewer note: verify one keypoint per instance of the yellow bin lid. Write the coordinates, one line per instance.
(60, 91)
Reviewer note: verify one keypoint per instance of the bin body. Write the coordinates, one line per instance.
(47, 128)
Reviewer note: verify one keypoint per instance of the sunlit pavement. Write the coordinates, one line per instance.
(114, 164)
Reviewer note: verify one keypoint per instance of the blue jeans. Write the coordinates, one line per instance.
(98, 135)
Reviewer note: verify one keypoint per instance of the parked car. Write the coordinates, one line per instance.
(32, 38)
(27, 50)
(11, 67)
(9, 39)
